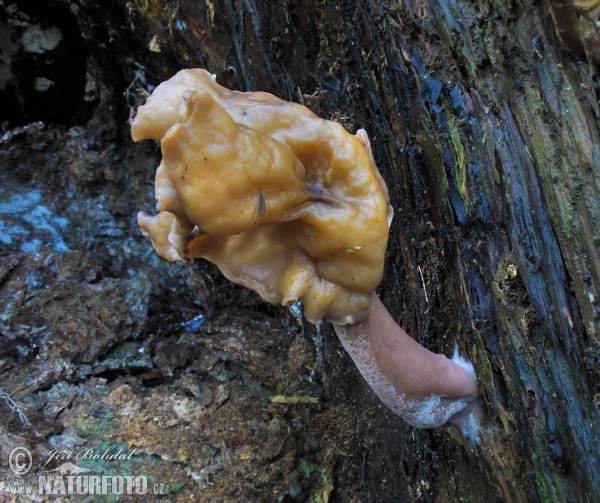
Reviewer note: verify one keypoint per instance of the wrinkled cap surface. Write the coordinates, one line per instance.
(283, 202)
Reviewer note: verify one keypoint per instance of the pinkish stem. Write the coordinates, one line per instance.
(424, 388)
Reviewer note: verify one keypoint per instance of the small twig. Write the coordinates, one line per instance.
(423, 281)
(293, 400)
(342, 452)
(14, 406)
(583, 14)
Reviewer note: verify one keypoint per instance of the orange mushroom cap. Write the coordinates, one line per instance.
(283, 202)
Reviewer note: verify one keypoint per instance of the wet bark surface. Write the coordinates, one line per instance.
(486, 131)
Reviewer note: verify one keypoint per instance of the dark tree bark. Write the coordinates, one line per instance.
(486, 130)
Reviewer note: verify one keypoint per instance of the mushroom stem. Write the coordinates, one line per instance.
(424, 388)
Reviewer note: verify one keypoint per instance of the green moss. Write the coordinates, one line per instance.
(577, 189)
(96, 425)
(484, 372)
(126, 355)
(432, 151)
(565, 215)
(539, 105)
(460, 172)
(521, 317)
(540, 480)
(497, 291)
(318, 477)
(491, 48)
(8, 314)
(501, 274)
(306, 468)
(528, 153)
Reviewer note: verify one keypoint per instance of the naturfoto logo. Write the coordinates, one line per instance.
(71, 479)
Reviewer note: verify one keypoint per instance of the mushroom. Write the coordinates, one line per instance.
(283, 202)
(293, 207)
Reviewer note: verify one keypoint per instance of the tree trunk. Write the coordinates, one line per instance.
(486, 130)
